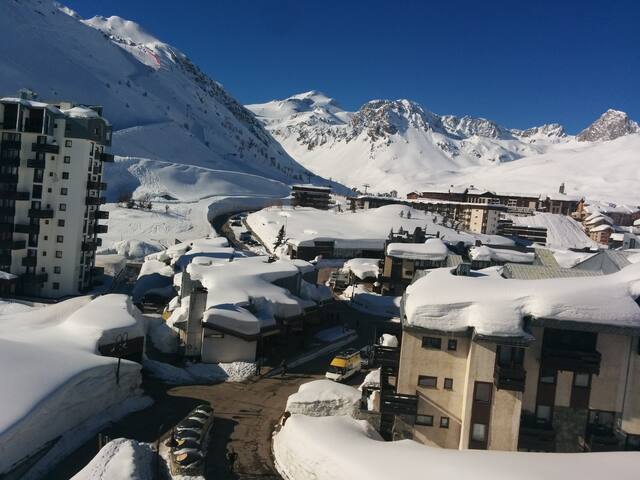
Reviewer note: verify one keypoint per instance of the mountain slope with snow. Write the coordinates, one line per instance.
(399, 145)
(162, 106)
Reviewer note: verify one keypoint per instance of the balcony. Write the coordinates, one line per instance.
(398, 404)
(13, 195)
(99, 215)
(40, 213)
(536, 436)
(571, 360)
(97, 271)
(6, 227)
(9, 211)
(95, 200)
(97, 229)
(96, 185)
(91, 245)
(31, 278)
(10, 144)
(26, 228)
(105, 157)
(5, 259)
(35, 163)
(8, 178)
(45, 147)
(13, 244)
(509, 378)
(29, 261)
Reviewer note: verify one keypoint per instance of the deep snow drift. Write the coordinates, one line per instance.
(53, 377)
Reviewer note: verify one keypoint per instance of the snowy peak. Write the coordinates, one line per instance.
(468, 126)
(310, 108)
(380, 118)
(550, 131)
(611, 125)
(121, 28)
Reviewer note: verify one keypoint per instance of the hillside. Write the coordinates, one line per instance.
(162, 106)
(399, 145)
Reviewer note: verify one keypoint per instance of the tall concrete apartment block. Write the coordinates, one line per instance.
(51, 164)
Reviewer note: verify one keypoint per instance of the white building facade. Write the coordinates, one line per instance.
(51, 165)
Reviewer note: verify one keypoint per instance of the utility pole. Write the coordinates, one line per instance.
(365, 185)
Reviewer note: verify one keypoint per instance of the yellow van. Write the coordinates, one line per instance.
(344, 365)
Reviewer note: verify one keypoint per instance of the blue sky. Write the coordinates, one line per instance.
(518, 63)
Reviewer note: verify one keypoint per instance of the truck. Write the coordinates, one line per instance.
(344, 365)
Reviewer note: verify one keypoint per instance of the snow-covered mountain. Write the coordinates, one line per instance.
(162, 106)
(399, 145)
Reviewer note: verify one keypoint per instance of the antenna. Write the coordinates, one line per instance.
(365, 185)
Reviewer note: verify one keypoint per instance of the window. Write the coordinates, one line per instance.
(543, 412)
(448, 383)
(57, 270)
(68, 143)
(49, 190)
(444, 422)
(46, 237)
(63, 207)
(44, 253)
(452, 344)
(67, 159)
(434, 343)
(548, 376)
(60, 238)
(58, 253)
(65, 175)
(581, 379)
(427, 381)
(483, 392)
(424, 420)
(478, 432)
(61, 222)
(63, 191)
(56, 286)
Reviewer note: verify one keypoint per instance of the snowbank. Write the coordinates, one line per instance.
(496, 306)
(120, 459)
(53, 378)
(341, 448)
(500, 255)
(324, 397)
(363, 268)
(433, 249)
(154, 277)
(200, 373)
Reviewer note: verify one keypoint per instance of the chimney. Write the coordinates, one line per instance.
(561, 189)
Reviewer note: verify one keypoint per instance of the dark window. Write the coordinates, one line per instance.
(452, 344)
(479, 432)
(424, 420)
(67, 159)
(61, 222)
(448, 383)
(37, 191)
(65, 175)
(56, 286)
(57, 270)
(543, 413)
(44, 253)
(444, 422)
(63, 207)
(91, 150)
(68, 143)
(548, 376)
(432, 342)
(60, 238)
(427, 381)
(49, 190)
(63, 191)
(58, 254)
(483, 392)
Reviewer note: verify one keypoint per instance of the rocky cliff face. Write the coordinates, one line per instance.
(612, 124)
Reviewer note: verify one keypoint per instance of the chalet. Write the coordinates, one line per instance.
(551, 364)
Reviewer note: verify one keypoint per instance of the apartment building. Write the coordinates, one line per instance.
(51, 166)
(311, 196)
(558, 371)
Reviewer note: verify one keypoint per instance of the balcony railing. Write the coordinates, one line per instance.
(99, 215)
(90, 245)
(29, 261)
(26, 228)
(571, 360)
(98, 229)
(509, 378)
(13, 195)
(8, 178)
(105, 157)
(10, 144)
(13, 244)
(9, 211)
(40, 213)
(45, 147)
(96, 185)
(35, 163)
(6, 227)
(96, 200)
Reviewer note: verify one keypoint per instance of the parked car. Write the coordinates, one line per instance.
(344, 365)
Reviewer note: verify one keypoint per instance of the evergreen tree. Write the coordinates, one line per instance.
(280, 238)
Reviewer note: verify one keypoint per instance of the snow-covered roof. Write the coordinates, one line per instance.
(81, 112)
(50, 368)
(323, 397)
(563, 232)
(598, 217)
(233, 318)
(636, 222)
(495, 306)
(601, 228)
(433, 249)
(363, 229)
(340, 447)
(488, 254)
(363, 267)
